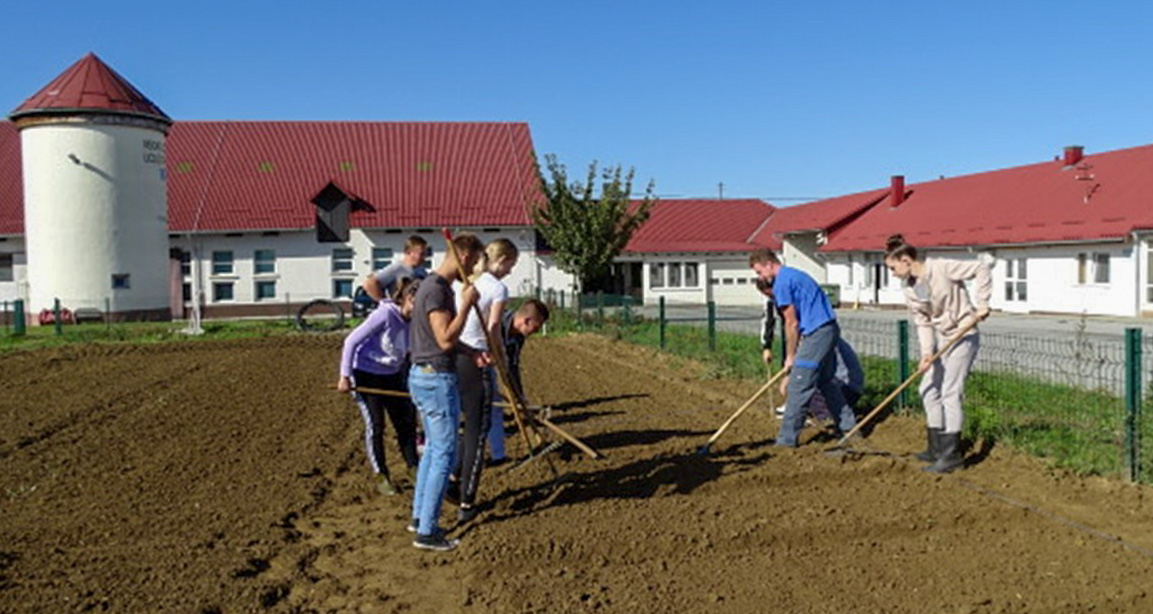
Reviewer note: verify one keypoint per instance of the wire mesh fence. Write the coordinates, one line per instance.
(1078, 399)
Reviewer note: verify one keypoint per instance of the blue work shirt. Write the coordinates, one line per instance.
(795, 287)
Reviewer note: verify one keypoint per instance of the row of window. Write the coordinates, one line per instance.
(673, 275)
(262, 290)
(264, 260)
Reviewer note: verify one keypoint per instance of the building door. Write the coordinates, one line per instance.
(636, 281)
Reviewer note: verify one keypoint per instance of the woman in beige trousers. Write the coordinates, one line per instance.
(939, 301)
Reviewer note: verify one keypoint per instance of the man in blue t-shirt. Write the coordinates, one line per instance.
(811, 336)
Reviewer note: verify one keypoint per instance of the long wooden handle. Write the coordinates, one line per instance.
(905, 384)
(753, 399)
(502, 372)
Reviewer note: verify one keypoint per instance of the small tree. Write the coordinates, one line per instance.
(587, 230)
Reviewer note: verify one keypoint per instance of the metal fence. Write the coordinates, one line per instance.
(1078, 398)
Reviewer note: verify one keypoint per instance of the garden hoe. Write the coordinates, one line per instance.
(753, 399)
(839, 448)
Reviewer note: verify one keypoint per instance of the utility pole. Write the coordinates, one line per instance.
(721, 190)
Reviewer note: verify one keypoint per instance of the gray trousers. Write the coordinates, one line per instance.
(943, 385)
(814, 368)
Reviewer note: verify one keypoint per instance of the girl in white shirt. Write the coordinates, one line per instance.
(476, 376)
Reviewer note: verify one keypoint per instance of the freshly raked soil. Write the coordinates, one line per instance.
(230, 477)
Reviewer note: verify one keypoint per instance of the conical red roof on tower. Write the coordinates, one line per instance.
(89, 85)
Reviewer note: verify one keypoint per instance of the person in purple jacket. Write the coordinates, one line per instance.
(374, 357)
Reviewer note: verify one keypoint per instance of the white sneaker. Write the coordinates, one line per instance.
(779, 412)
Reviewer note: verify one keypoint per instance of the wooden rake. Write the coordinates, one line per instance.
(519, 411)
(753, 399)
(838, 448)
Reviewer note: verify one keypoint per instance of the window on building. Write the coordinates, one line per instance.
(265, 290)
(727, 281)
(852, 269)
(1149, 271)
(1093, 268)
(222, 291)
(264, 261)
(342, 260)
(186, 263)
(342, 288)
(186, 292)
(674, 273)
(1100, 268)
(381, 257)
(121, 281)
(691, 276)
(1016, 280)
(6, 268)
(222, 263)
(656, 274)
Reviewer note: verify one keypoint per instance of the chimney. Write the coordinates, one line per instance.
(897, 190)
(1073, 154)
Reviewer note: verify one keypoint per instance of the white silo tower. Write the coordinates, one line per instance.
(95, 196)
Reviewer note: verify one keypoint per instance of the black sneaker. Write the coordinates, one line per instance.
(466, 514)
(412, 526)
(437, 542)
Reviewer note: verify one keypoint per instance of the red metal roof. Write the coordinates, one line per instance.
(1104, 197)
(11, 182)
(263, 175)
(236, 176)
(701, 225)
(89, 85)
(826, 215)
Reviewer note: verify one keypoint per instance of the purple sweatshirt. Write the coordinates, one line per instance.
(379, 344)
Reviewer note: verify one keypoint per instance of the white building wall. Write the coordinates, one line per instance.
(95, 206)
(304, 268)
(1051, 282)
(799, 251)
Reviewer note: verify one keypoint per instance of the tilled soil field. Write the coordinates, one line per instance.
(230, 477)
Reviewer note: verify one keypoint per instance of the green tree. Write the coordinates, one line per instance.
(587, 229)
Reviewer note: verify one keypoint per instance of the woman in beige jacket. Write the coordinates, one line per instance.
(936, 294)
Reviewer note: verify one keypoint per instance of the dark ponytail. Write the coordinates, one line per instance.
(895, 247)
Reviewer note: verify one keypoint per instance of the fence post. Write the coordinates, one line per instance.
(578, 301)
(903, 361)
(108, 313)
(663, 323)
(712, 326)
(600, 308)
(56, 312)
(562, 300)
(1133, 401)
(19, 324)
(627, 305)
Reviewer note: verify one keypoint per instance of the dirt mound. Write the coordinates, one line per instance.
(228, 476)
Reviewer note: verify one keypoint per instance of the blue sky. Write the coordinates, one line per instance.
(777, 100)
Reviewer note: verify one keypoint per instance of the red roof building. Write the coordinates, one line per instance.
(235, 176)
(1076, 198)
(701, 225)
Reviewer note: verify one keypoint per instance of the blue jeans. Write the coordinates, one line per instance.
(437, 398)
(496, 427)
(814, 368)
